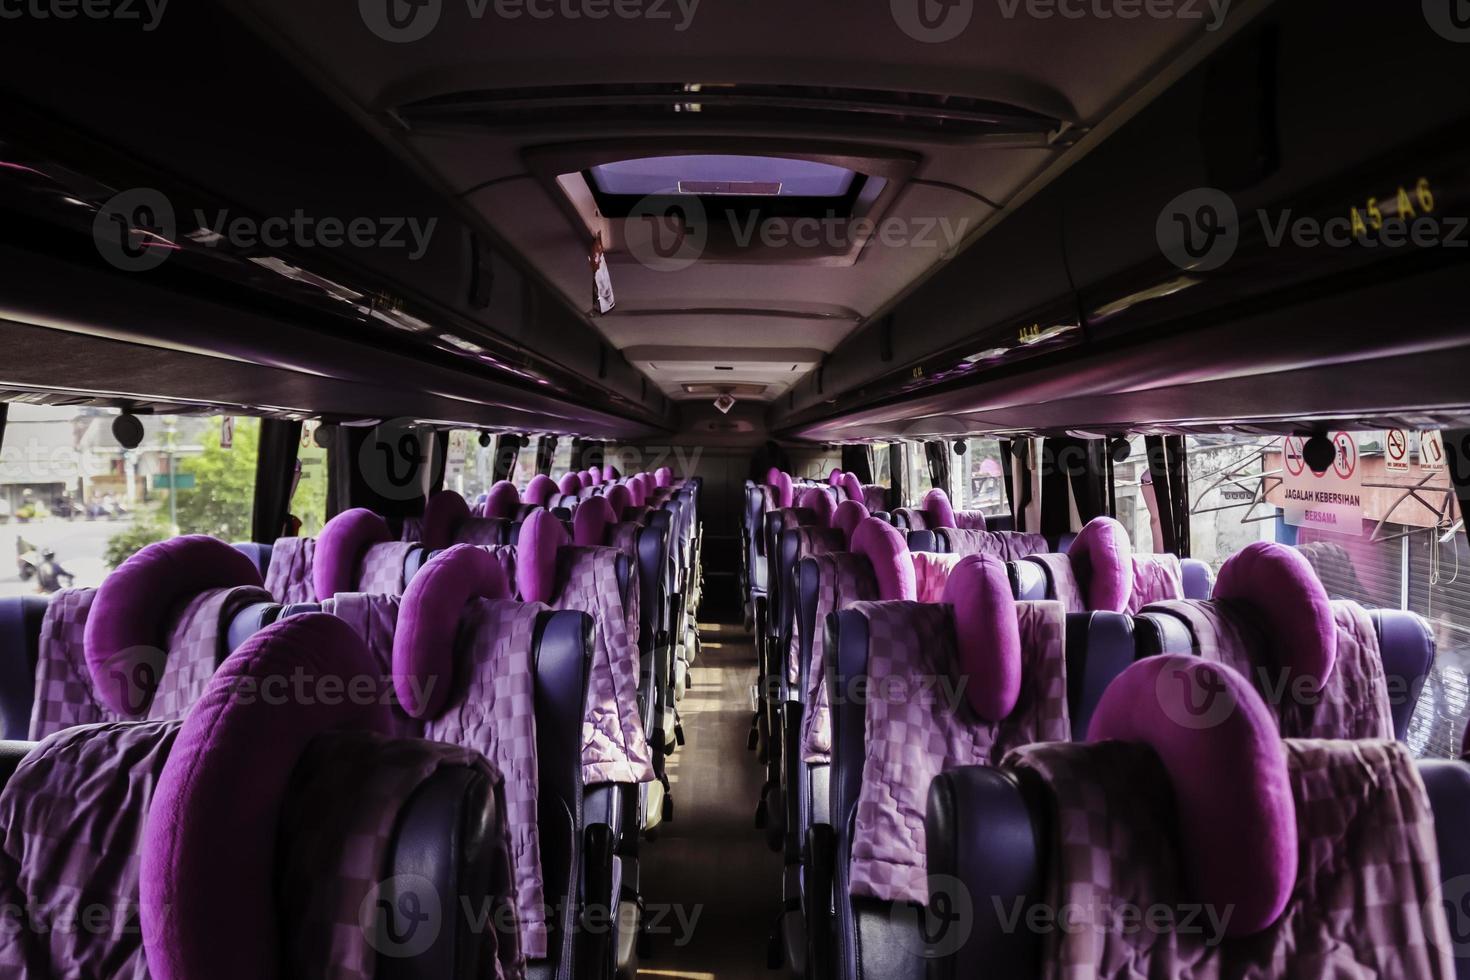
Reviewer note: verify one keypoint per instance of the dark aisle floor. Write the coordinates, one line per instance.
(711, 861)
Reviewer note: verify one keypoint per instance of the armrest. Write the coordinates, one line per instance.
(599, 904)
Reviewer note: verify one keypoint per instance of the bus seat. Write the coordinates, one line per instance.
(911, 642)
(259, 554)
(279, 857)
(1407, 645)
(1014, 864)
(144, 644)
(921, 540)
(1007, 545)
(20, 642)
(1199, 580)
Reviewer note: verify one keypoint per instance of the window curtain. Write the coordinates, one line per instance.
(387, 476)
(4, 415)
(507, 448)
(275, 477)
(1169, 473)
(937, 453)
(859, 461)
(545, 454)
(895, 475)
(578, 449)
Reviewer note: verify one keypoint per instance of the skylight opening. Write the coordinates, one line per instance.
(727, 175)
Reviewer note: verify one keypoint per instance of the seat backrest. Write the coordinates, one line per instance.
(1185, 815)
(20, 644)
(338, 818)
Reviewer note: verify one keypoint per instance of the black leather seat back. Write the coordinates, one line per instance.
(20, 642)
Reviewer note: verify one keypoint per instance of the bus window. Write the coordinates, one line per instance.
(74, 504)
(561, 458)
(881, 474)
(309, 502)
(1227, 506)
(916, 479)
(977, 480)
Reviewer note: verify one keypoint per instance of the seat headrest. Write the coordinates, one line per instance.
(595, 475)
(888, 553)
(1280, 584)
(428, 619)
(937, 508)
(539, 490)
(663, 477)
(339, 549)
(1223, 754)
(834, 478)
(542, 536)
(127, 627)
(503, 500)
(444, 512)
(852, 486)
(987, 635)
(620, 497)
(206, 858)
(610, 473)
(1102, 559)
(570, 483)
(820, 503)
(780, 483)
(847, 515)
(771, 475)
(591, 520)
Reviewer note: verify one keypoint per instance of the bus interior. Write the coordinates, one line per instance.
(697, 490)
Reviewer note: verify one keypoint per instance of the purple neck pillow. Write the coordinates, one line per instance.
(127, 627)
(937, 508)
(503, 501)
(340, 547)
(663, 476)
(571, 483)
(445, 511)
(987, 635)
(888, 553)
(591, 520)
(847, 515)
(771, 476)
(834, 478)
(610, 473)
(595, 472)
(1232, 792)
(428, 619)
(620, 498)
(542, 536)
(819, 502)
(1102, 560)
(539, 491)
(1280, 584)
(851, 486)
(781, 489)
(209, 844)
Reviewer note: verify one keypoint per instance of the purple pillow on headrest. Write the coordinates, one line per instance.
(834, 478)
(782, 489)
(663, 477)
(428, 619)
(208, 847)
(772, 475)
(125, 633)
(542, 535)
(571, 483)
(888, 552)
(620, 497)
(539, 491)
(937, 508)
(340, 547)
(610, 473)
(595, 474)
(1232, 792)
(851, 486)
(503, 501)
(1280, 583)
(847, 515)
(637, 492)
(445, 511)
(819, 502)
(591, 520)
(987, 635)
(1102, 559)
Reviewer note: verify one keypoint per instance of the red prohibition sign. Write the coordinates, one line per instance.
(1398, 446)
(1345, 462)
(1292, 451)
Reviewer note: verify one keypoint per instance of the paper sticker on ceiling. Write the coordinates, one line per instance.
(601, 278)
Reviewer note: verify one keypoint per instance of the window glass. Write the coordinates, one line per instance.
(1133, 496)
(1408, 552)
(977, 478)
(74, 504)
(468, 465)
(881, 475)
(561, 460)
(915, 473)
